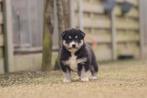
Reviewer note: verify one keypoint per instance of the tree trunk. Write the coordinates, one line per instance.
(63, 22)
(47, 35)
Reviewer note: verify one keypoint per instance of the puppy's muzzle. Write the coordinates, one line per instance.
(73, 45)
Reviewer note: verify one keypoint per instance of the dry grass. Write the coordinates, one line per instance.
(116, 80)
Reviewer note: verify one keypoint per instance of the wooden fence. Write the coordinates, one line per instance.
(85, 14)
(27, 20)
(97, 26)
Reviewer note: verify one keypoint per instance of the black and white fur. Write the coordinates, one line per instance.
(75, 52)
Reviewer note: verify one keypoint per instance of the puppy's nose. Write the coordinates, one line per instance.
(73, 46)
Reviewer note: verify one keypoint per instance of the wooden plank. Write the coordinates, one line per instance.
(74, 5)
(87, 30)
(81, 14)
(71, 13)
(1, 53)
(113, 30)
(127, 36)
(103, 22)
(1, 29)
(124, 23)
(133, 12)
(98, 37)
(1, 18)
(8, 35)
(33, 34)
(103, 52)
(1, 40)
(1, 44)
(128, 49)
(29, 62)
(143, 29)
(100, 22)
(93, 1)
(1, 66)
(134, 2)
(92, 7)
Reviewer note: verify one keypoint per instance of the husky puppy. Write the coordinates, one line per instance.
(75, 52)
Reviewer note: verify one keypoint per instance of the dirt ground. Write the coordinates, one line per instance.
(126, 79)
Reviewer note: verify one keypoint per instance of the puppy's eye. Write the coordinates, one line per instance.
(69, 37)
(76, 37)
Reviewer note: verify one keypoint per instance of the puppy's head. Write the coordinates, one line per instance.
(73, 39)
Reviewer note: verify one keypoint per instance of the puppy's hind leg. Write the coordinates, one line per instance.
(83, 73)
(94, 70)
(94, 76)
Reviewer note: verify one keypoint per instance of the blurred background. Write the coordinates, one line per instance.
(116, 29)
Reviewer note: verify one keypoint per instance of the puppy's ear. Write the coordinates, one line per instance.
(63, 34)
(82, 33)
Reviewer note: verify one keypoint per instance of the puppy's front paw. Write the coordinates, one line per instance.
(93, 78)
(85, 79)
(66, 80)
(67, 77)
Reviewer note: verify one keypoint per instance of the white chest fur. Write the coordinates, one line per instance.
(73, 61)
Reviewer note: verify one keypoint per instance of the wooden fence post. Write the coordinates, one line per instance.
(9, 62)
(81, 14)
(71, 13)
(142, 31)
(114, 41)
